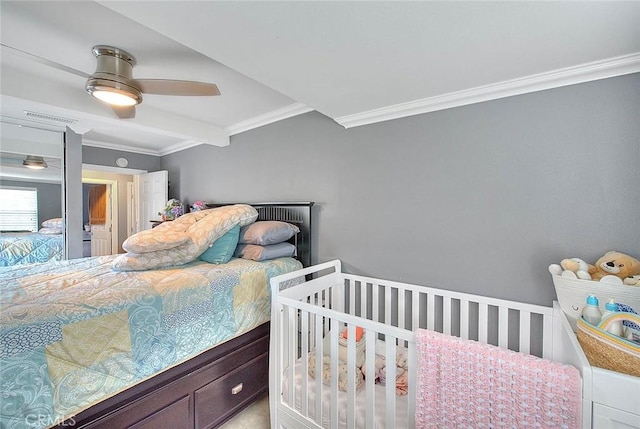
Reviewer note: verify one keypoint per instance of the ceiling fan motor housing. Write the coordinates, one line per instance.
(114, 71)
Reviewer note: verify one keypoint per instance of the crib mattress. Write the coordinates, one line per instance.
(314, 386)
(73, 333)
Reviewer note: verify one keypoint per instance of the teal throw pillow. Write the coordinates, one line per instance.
(222, 249)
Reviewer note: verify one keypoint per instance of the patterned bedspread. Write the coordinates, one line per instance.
(75, 332)
(29, 247)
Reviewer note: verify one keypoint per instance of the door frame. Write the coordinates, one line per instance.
(112, 186)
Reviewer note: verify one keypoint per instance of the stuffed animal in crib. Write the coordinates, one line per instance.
(616, 264)
(632, 280)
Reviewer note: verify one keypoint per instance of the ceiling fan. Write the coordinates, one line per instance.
(113, 81)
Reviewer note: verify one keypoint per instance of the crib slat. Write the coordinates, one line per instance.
(412, 362)
(370, 363)
(483, 324)
(525, 332)
(290, 316)
(547, 340)
(375, 302)
(387, 305)
(363, 300)
(334, 376)
(337, 298)
(446, 315)
(415, 310)
(351, 374)
(390, 388)
(503, 327)
(464, 319)
(431, 311)
(304, 331)
(401, 313)
(319, 354)
(352, 297)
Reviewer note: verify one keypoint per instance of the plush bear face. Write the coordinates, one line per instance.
(617, 264)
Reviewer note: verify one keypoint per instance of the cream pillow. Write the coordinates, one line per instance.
(165, 236)
(56, 222)
(151, 240)
(202, 233)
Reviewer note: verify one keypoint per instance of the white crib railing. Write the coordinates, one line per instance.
(306, 314)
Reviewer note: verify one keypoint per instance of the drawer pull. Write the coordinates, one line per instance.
(236, 389)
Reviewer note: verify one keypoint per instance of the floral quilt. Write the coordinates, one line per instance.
(73, 333)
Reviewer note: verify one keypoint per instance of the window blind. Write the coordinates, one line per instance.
(19, 209)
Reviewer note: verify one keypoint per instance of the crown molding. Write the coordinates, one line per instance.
(123, 148)
(177, 147)
(596, 70)
(268, 118)
(110, 169)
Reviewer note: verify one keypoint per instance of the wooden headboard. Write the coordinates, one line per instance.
(297, 213)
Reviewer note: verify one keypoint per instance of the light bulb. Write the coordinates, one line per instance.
(115, 98)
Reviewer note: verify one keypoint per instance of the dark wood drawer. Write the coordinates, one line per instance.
(220, 399)
(175, 416)
(173, 404)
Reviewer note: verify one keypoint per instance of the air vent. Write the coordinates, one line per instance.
(48, 117)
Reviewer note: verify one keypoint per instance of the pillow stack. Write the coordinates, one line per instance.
(265, 240)
(52, 226)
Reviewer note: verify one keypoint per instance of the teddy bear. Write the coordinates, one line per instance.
(617, 264)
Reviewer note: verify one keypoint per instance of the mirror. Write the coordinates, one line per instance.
(32, 187)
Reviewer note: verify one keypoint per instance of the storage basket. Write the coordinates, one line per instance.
(608, 351)
(572, 295)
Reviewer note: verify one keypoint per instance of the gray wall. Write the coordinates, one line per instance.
(137, 161)
(49, 198)
(480, 198)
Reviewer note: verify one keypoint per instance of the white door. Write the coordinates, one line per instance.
(101, 233)
(101, 240)
(152, 190)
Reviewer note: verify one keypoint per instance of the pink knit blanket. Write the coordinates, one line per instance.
(466, 384)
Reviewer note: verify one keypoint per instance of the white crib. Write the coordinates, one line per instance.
(320, 301)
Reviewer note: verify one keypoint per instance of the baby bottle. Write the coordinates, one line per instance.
(616, 327)
(591, 313)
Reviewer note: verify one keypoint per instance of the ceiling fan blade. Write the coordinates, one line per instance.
(45, 61)
(125, 112)
(175, 87)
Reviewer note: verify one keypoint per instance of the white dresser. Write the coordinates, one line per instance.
(611, 400)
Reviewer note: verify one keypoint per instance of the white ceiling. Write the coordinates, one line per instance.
(356, 62)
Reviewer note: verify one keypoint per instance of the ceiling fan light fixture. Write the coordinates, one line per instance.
(35, 162)
(115, 98)
(114, 93)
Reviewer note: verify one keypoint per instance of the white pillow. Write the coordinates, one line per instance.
(51, 231)
(52, 223)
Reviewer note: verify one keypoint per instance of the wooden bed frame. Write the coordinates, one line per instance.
(209, 389)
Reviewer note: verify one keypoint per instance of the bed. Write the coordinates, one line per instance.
(84, 345)
(319, 378)
(28, 247)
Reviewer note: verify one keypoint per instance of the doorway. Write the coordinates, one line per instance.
(136, 197)
(100, 216)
